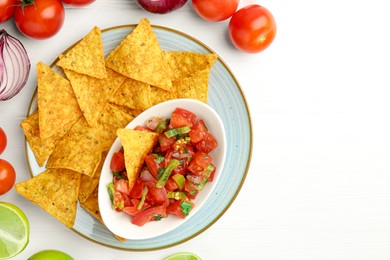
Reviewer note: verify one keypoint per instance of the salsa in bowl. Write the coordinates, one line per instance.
(161, 169)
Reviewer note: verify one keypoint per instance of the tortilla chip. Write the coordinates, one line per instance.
(91, 205)
(92, 93)
(87, 56)
(133, 94)
(55, 191)
(158, 95)
(88, 184)
(195, 87)
(112, 118)
(139, 56)
(185, 64)
(57, 104)
(80, 150)
(136, 145)
(42, 148)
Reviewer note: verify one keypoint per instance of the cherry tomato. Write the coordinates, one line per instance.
(41, 19)
(78, 2)
(3, 139)
(215, 10)
(7, 176)
(252, 29)
(7, 8)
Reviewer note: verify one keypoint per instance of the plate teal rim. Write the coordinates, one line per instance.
(248, 158)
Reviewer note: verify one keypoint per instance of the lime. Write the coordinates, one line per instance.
(14, 230)
(183, 256)
(50, 254)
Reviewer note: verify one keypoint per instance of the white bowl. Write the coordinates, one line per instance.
(119, 223)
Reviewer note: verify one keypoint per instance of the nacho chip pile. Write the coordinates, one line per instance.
(81, 107)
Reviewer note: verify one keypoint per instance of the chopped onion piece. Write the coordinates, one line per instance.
(14, 66)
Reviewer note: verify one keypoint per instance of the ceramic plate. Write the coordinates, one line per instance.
(227, 99)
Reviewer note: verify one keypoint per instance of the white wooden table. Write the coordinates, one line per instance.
(319, 182)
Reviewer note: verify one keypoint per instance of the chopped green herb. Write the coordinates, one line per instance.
(186, 207)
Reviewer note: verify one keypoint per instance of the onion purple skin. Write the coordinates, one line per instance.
(161, 6)
(14, 66)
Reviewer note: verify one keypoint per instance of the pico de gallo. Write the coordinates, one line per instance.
(172, 175)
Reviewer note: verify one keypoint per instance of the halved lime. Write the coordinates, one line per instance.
(183, 256)
(50, 254)
(14, 230)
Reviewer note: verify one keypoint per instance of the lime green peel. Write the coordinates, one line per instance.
(183, 256)
(14, 230)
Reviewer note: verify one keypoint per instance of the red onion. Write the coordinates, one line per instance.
(14, 66)
(161, 6)
(146, 176)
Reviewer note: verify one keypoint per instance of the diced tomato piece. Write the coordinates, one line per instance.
(175, 209)
(122, 186)
(200, 161)
(171, 185)
(207, 144)
(150, 214)
(197, 131)
(118, 202)
(126, 200)
(152, 164)
(211, 178)
(141, 128)
(117, 162)
(137, 189)
(156, 195)
(190, 189)
(135, 202)
(165, 143)
(132, 210)
(181, 117)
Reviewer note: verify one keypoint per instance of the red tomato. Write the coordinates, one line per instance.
(207, 144)
(40, 19)
(7, 8)
(153, 213)
(78, 2)
(190, 189)
(136, 191)
(122, 186)
(156, 195)
(252, 29)
(165, 143)
(215, 10)
(171, 185)
(152, 165)
(142, 128)
(199, 162)
(197, 131)
(117, 163)
(181, 117)
(3, 139)
(7, 176)
(175, 209)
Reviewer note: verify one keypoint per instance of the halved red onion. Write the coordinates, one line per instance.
(14, 66)
(161, 6)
